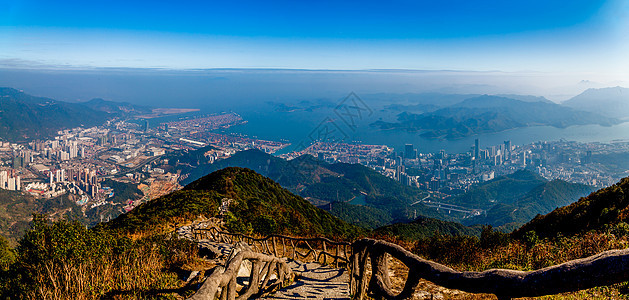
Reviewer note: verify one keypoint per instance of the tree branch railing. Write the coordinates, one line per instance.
(223, 282)
(284, 246)
(605, 268)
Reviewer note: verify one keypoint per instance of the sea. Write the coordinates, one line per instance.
(301, 127)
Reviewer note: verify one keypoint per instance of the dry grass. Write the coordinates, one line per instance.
(130, 275)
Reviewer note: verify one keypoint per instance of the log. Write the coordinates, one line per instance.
(606, 268)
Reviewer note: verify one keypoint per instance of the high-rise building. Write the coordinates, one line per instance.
(588, 158)
(3, 179)
(146, 125)
(476, 149)
(398, 160)
(18, 162)
(409, 152)
(507, 153)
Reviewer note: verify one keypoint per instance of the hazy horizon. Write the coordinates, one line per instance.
(200, 88)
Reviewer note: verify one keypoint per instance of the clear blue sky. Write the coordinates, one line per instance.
(588, 36)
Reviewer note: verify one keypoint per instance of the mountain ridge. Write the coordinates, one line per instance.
(24, 117)
(610, 101)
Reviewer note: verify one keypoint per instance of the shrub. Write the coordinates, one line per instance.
(7, 256)
(64, 260)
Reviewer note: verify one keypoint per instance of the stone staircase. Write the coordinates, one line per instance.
(315, 282)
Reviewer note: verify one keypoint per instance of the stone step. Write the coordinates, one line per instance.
(315, 282)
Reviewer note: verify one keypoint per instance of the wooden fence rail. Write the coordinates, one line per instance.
(222, 283)
(284, 246)
(602, 269)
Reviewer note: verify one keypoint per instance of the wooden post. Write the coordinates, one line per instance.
(283, 247)
(274, 248)
(325, 254)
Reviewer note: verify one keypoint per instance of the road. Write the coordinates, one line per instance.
(447, 206)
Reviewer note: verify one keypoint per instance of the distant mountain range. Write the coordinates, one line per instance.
(362, 196)
(24, 117)
(488, 114)
(427, 102)
(260, 205)
(352, 192)
(612, 102)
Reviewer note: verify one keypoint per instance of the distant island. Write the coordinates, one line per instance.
(490, 114)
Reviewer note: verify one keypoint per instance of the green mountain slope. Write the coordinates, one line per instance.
(16, 211)
(258, 205)
(503, 189)
(24, 117)
(322, 183)
(540, 200)
(603, 208)
(516, 198)
(424, 227)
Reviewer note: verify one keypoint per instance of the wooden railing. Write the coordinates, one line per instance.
(598, 270)
(318, 249)
(222, 283)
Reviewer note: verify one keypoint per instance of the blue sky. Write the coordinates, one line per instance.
(586, 36)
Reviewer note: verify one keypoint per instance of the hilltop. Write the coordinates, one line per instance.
(256, 205)
(488, 114)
